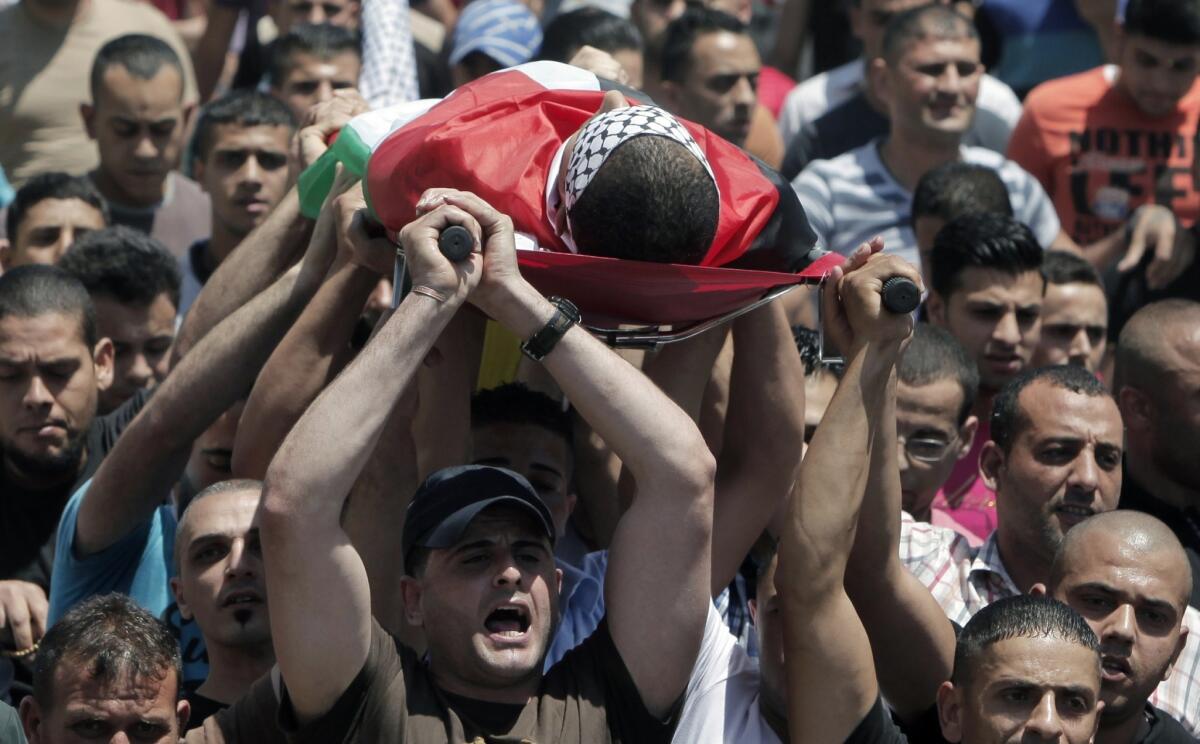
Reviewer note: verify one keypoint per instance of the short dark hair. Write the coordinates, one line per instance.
(587, 26)
(956, 188)
(985, 241)
(516, 403)
(1172, 21)
(675, 58)
(141, 54)
(1022, 616)
(808, 343)
(53, 185)
(125, 264)
(1061, 267)
(1008, 418)
(322, 40)
(934, 354)
(651, 200)
(108, 636)
(245, 108)
(927, 21)
(35, 290)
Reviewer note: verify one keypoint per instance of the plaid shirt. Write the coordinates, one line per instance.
(963, 580)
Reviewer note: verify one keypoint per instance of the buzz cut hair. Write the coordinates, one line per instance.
(957, 188)
(322, 40)
(1022, 616)
(934, 354)
(934, 21)
(141, 54)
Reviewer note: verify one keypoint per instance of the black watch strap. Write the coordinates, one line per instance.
(544, 341)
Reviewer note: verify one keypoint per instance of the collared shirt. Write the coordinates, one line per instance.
(964, 580)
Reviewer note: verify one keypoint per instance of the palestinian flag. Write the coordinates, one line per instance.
(497, 137)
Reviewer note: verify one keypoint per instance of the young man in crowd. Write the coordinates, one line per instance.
(987, 292)
(138, 118)
(108, 670)
(311, 62)
(948, 191)
(54, 366)
(49, 48)
(836, 111)
(1127, 574)
(483, 531)
(1117, 141)
(710, 72)
(567, 33)
(134, 286)
(1155, 382)
(1074, 313)
(241, 161)
(219, 583)
(928, 75)
(937, 384)
(48, 214)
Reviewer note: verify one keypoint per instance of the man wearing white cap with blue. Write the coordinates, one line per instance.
(491, 35)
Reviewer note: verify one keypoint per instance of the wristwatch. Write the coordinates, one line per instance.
(544, 341)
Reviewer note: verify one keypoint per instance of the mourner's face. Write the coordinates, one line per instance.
(1023, 690)
(126, 708)
(927, 420)
(488, 605)
(48, 229)
(142, 336)
(1074, 326)
(1134, 599)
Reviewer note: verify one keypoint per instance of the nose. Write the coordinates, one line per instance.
(37, 394)
(240, 561)
(744, 93)
(509, 574)
(949, 81)
(251, 170)
(1085, 474)
(381, 296)
(324, 91)
(66, 236)
(146, 148)
(139, 372)
(1043, 719)
(317, 14)
(1008, 330)
(1080, 350)
(1121, 625)
(902, 456)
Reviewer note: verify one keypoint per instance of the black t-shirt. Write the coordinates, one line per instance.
(202, 707)
(1164, 729)
(877, 727)
(29, 519)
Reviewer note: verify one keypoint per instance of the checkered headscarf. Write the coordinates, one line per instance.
(606, 132)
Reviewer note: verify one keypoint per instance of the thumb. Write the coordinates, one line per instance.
(1135, 250)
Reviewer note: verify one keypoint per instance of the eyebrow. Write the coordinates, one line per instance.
(214, 536)
(1154, 602)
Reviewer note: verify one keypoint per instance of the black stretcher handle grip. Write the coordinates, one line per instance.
(456, 242)
(900, 294)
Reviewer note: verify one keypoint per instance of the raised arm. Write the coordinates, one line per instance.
(150, 455)
(912, 640)
(764, 433)
(822, 629)
(657, 586)
(321, 623)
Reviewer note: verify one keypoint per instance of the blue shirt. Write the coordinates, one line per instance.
(582, 604)
(140, 564)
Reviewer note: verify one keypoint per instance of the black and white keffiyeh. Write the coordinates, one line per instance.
(606, 132)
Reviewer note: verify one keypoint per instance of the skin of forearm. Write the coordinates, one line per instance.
(327, 448)
(219, 371)
(311, 353)
(258, 260)
(209, 55)
(820, 531)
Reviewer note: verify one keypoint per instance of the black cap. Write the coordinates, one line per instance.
(449, 499)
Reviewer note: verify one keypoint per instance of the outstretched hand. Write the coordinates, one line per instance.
(852, 303)
(1153, 228)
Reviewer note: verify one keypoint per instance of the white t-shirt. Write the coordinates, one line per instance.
(854, 197)
(813, 98)
(721, 704)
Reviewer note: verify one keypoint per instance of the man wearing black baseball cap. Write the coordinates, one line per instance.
(479, 576)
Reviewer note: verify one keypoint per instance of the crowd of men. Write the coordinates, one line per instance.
(259, 484)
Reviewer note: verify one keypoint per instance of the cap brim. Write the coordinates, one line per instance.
(451, 529)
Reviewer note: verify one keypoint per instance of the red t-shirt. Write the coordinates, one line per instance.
(965, 503)
(1099, 157)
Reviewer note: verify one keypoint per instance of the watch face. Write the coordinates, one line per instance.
(567, 307)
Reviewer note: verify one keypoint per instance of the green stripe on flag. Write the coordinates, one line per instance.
(317, 179)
